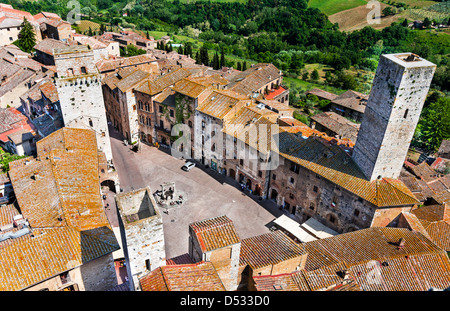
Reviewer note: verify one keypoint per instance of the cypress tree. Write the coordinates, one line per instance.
(180, 50)
(27, 37)
(222, 58)
(197, 58)
(239, 66)
(244, 66)
(204, 56)
(216, 63)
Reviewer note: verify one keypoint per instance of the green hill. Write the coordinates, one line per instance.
(330, 7)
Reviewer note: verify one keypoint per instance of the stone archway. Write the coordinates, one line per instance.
(110, 184)
(274, 194)
(232, 173)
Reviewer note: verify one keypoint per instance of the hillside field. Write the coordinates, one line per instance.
(330, 7)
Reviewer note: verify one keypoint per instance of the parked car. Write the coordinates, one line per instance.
(187, 167)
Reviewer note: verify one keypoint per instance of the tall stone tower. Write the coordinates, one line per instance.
(80, 93)
(399, 90)
(142, 233)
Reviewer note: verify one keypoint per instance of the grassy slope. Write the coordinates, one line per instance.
(330, 7)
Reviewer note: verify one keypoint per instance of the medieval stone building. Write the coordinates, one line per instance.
(142, 233)
(80, 93)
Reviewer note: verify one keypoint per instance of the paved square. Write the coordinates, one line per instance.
(208, 194)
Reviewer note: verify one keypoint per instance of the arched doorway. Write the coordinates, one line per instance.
(149, 139)
(232, 173)
(258, 189)
(274, 195)
(110, 184)
(249, 183)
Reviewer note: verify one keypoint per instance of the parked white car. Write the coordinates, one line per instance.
(187, 167)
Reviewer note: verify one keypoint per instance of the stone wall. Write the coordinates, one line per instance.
(392, 112)
(306, 194)
(143, 238)
(82, 106)
(81, 96)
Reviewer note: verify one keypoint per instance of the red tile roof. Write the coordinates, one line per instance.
(275, 93)
(200, 276)
(268, 249)
(215, 233)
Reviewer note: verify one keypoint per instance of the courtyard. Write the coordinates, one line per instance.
(208, 194)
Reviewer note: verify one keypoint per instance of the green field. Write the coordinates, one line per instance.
(306, 85)
(330, 7)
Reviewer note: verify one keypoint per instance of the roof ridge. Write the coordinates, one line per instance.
(389, 182)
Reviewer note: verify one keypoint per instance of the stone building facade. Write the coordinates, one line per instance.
(208, 242)
(305, 194)
(142, 233)
(80, 93)
(398, 93)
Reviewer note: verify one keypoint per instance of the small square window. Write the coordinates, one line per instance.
(356, 213)
(291, 180)
(315, 189)
(274, 177)
(259, 173)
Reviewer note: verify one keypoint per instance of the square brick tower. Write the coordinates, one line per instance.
(80, 93)
(398, 93)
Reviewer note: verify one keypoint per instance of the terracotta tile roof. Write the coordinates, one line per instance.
(337, 124)
(444, 148)
(268, 249)
(7, 212)
(113, 64)
(331, 162)
(254, 121)
(348, 262)
(46, 252)
(325, 276)
(184, 259)
(275, 93)
(200, 276)
(352, 100)
(153, 87)
(413, 223)
(47, 45)
(424, 172)
(11, 121)
(189, 88)
(280, 282)
(322, 94)
(132, 80)
(435, 220)
(220, 102)
(215, 233)
(59, 194)
(50, 92)
(254, 78)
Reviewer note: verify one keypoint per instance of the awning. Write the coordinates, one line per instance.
(294, 228)
(317, 229)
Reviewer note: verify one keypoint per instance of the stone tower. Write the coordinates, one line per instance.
(399, 90)
(80, 93)
(142, 233)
